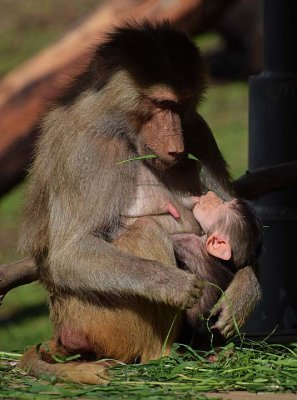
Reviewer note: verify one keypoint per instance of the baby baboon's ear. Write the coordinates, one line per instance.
(218, 246)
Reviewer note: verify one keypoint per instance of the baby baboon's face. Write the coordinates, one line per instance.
(208, 210)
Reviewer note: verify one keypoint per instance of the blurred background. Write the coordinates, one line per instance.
(231, 42)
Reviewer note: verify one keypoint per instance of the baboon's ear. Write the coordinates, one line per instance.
(218, 246)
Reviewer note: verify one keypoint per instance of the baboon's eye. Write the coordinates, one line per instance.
(167, 105)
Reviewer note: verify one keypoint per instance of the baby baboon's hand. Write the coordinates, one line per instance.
(237, 303)
(188, 290)
(231, 316)
(225, 323)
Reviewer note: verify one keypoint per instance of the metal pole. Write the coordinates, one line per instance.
(272, 140)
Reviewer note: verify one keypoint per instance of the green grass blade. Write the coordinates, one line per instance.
(147, 156)
(192, 157)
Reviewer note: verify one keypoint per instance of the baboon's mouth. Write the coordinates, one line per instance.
(160, 164)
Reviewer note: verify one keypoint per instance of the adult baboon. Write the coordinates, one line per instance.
(109, 296)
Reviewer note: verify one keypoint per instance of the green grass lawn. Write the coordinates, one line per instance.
(27, 26)
(256, 367)
(226, 111)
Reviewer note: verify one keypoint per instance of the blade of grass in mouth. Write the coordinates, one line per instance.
(149, 156)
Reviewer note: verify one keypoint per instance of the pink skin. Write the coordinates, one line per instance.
(172, 210)
(75, 340)
(207, 209)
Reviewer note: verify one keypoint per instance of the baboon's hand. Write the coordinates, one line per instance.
(188, 289)
(232, 315)
(237, 303)
(226, 318)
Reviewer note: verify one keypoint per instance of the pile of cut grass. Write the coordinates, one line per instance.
(250, 366)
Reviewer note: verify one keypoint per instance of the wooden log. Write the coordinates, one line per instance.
(16, 274)
(25, 91)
